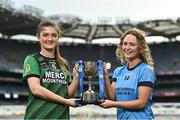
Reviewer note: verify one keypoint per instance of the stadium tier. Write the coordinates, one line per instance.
(13, 52)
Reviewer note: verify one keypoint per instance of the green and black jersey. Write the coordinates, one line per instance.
(52, 78)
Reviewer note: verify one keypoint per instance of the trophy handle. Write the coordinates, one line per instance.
(100, 72)
(81, 77)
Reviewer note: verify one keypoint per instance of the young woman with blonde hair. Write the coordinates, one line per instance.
(132, 84)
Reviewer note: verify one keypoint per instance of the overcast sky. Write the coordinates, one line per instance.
(92, 10)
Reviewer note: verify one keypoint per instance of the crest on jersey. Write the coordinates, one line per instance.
(52, 64)
(28, 68)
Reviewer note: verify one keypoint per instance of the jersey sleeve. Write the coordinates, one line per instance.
(30, 68)
(147, 77)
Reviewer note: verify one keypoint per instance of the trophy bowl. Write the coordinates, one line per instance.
(90, 69)
(89, 96)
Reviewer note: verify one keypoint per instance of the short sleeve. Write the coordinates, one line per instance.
(30, 68)
(147, 77)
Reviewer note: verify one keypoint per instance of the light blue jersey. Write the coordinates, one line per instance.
(127, 82)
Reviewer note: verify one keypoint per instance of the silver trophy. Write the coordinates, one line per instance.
(89, 71)
(89, 96)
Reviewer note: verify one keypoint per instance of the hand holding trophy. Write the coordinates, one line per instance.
(90, 70)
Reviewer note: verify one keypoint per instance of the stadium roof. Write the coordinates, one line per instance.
(13, 21)
(25, 21)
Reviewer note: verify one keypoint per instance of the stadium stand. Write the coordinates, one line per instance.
(24, 21)
(11, 62)
(166, 56)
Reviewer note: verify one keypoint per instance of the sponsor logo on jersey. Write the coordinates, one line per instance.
(54, 77)
(124, 91)
(129, 76)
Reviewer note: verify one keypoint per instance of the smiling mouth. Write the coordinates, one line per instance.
(127, 52)
(49, 43)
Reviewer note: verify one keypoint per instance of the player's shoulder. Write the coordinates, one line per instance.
(119, 69)
(146, 67)
(31, 57)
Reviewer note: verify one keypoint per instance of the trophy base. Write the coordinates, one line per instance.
(80, 102)
(90, 97)
(97, 102)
